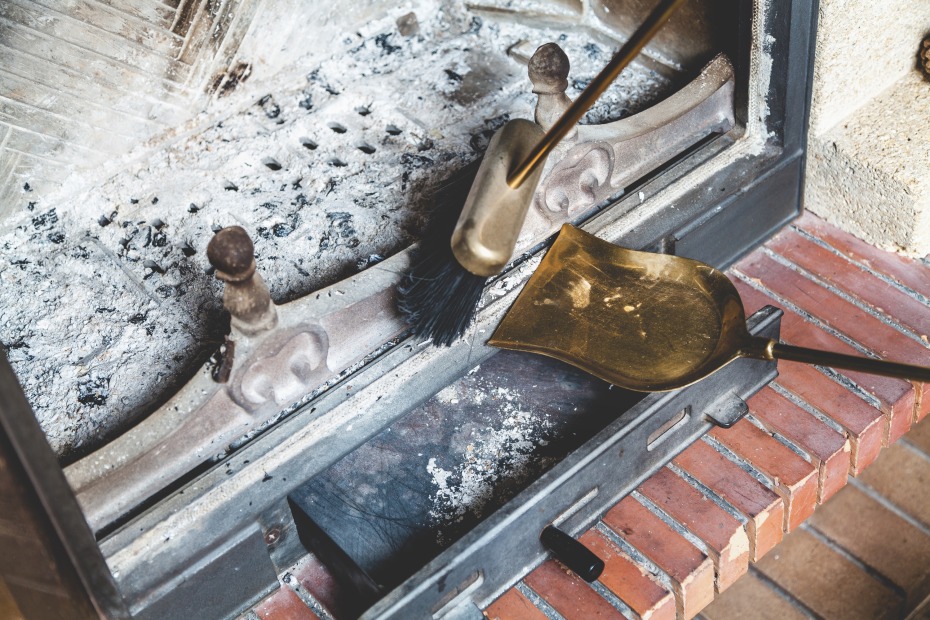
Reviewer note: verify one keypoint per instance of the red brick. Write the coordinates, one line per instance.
(568, 594)
(896, 396)
(864, 424)
(794, 478)
(836, 312)
(828, 448)
(764, 510)
(833, 310)
(911, 273)
(284, 604)
(314, 577)
(512, 605)
(858, 283)
(691, 571)
(839, 314)
(629, 581)
(727, 543)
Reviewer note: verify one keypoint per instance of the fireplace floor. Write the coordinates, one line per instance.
(713, 523)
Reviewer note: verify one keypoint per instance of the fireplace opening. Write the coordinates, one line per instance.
(698, 150)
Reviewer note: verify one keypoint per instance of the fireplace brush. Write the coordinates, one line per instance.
(440, 293)
(647, 322)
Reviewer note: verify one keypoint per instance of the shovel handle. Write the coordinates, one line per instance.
(777, 350)
(637, 41)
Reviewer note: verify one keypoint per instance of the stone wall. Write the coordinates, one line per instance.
(869, 143)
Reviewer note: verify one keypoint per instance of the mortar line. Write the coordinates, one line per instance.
(885, 278)
(107, 8)
(119, 10)
(45, 136)
(708, 492)
(106, 33)
(913, 448)
(829, 372)
(48, 160)
(806, 406)
(804, 454)
(538, 601)
(15, 158)
(756, 284)
(851, 385)
(6, 136)
(615, 601)
(306, 597)
(130, 68)
(116, 89)
(740, 462)
(670, 521)
(124, 113)
(67, 119)
(638, 557)
(865, 307)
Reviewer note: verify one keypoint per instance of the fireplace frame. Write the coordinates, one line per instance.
(180, 552)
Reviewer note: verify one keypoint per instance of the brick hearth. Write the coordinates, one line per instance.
(795, 511)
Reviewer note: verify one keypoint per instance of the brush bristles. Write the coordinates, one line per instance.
(437, 296)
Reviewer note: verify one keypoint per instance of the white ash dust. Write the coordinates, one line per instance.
(107, 302)
(491, 454)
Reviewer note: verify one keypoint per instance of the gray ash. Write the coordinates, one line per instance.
(328, 203)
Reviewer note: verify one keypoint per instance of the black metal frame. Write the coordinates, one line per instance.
(56, 542)
(189, 573)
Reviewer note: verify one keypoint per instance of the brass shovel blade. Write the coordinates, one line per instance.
(646, 322)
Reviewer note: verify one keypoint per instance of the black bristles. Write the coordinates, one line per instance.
(439, 299)
(437, 296)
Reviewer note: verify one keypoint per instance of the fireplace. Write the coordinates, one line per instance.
(180, 526)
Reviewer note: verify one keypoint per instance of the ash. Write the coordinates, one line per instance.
(493, 458)
(107, 302)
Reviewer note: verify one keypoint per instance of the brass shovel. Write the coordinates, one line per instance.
(646, 322)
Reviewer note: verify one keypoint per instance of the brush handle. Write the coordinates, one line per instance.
(654, 21)
(491, 220)
(772, 349)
